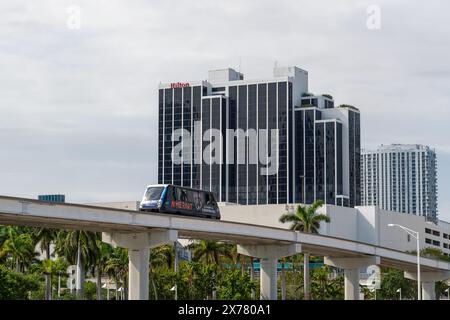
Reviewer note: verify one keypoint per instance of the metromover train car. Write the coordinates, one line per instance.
(167, 198)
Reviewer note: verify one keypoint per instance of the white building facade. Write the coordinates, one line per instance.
(401, 178)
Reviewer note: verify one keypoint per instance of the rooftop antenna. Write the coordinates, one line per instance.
(240, 62)
(275, 65)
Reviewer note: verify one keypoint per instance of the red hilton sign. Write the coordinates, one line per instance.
(179, 85)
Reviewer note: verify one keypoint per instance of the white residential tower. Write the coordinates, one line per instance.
(400, 178)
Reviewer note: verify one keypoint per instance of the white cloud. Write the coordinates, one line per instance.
(78, 107)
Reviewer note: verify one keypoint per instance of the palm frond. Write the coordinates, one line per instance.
(305, 218)
(288, 217)
(312, 209)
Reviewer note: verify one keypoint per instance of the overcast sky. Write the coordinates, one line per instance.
(79, 106)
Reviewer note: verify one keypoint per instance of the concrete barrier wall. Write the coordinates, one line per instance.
(264, 215)
(343, 220)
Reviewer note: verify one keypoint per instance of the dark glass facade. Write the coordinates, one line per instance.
(206, 125)
(242, 145)
(282, 146)
(262, 146)
(187, 142)
(177, 124)
(224, 166)
(318, 158)
(309, 174)
(232, 163)
(339, 164)
(168, 126)
(272, 123)
(330, 162)
(160, 135)
(326, 161)
(252, 142)
(196, 147)
(320, 161)
(354, 158)
(299, 156)
(216, 178)
(290, 145)
(179, 108)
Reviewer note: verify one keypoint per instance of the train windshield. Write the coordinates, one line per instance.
(153, 193)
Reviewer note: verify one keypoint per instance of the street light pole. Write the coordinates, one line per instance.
(419, 287)
(304, 190)
(59, 284)
(415, 234)
(175, 245)
(302, 183)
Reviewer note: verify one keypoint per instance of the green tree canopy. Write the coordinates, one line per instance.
(235, 285)
(15, 285)
(210, 251)
(19, 246)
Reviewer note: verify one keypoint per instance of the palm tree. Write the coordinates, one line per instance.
(3, 235)
(80, 248)
(189, 276)
(19, 246)
(50, 268)
(117, 266)
(306, 219)
(283, 279)
(162, 256)
(44, 237)
(252, 275)
(239, 259)
(101, 259)
(211, 251)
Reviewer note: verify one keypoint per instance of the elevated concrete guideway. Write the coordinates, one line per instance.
(140, 231)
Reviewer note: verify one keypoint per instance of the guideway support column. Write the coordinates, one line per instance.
(268, 255)
(138, 245)
(351, 268)
(429, 280)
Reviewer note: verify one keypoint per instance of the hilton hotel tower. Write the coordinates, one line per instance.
(318, 144)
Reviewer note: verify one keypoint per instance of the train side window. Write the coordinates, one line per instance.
(171, 193)
(183, 195)
(197, 199)
(191, 196)
(207, 198)
(213, 200)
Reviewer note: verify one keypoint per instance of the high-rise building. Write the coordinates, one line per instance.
(401, 178)
(261, 141)
(327, 152)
